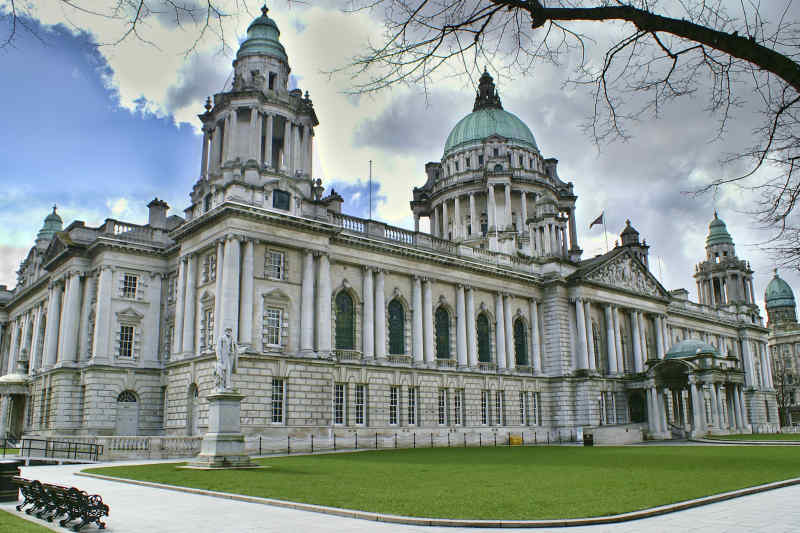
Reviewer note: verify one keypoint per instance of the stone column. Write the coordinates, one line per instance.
(268, 144)
(737, 406)
(247, 292)
(180, 289)
(768, 359)
(233, 146)
(416, 223)
(610, 340)
(323, 305)
(461, 328)
(226, 141)
(307, 305)
(72, 312)
(509, 323)
(102, 317)
(507, 190)
(491, 209)
(618, 341)
(637, 342)
(581, 355)
(747, 362)
(523, 199)
(659, 337)
(296, 149)
(743, 409)
(663, 394)
(24, 346)
(591, 360)
(715, 418)
(230, 287)
(34, 357)
(368, 310)
(89, 288)
(435, 222)
(474, 221)
(472, 341)
(500, 331)
(427, 321)
(697, 406)
(380, 316)
(15, 326)
(573, 233)
(190, 304)
(287, 141)
(215, 149)
(457, 226)
(652, 407)
(416, 322)
(536, 361)
(204, 155)
(445, 221)
(218, 290)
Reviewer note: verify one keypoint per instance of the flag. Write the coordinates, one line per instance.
(598, 220)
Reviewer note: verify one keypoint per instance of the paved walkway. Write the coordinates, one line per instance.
(135, 508)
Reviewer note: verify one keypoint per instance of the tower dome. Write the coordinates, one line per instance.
(488, 118)
(778, 293)
(262, 39)
(718, 232)
(52, 225)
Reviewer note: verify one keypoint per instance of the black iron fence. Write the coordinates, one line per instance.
(60, 449)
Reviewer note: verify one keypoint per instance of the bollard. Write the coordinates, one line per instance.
(495, 440)
(312, 443)
(480, 440)
(465, 440)
(415, 440)
(8, 469)
(395, 441)
(448, 439)
(356, 440)
(334, 441)
(376, 440)
(548, 438)
(288, 445)
(431, 439)
(259, 445)
(523, 438)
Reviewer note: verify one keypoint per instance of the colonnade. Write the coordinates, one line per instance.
(722, 289)
(585, 356)
(227, 139)
(686, 407)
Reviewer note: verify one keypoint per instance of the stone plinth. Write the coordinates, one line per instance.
(223, 445)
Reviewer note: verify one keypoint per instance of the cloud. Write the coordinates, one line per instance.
(202, 75)
(10, 258)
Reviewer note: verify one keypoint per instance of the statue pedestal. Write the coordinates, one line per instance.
(223, 445)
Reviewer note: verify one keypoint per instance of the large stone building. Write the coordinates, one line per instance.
(492, 321)
(784, 346)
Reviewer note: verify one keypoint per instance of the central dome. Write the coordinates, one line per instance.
(778, 293)
(488, 118)
(486, 122)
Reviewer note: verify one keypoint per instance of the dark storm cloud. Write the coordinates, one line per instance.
(198, 78)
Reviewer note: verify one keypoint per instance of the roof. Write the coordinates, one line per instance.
(718, 232)
(52, 225)
(778, 293)
(262, 39)
(690, 348)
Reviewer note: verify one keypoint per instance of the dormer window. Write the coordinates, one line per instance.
(280, 199)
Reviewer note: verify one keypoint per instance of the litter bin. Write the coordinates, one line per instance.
(8, 469)
(588, 439)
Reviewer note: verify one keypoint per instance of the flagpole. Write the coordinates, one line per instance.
(605, 233)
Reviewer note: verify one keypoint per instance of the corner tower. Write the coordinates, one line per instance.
(493, 189)
(723, 279)
(258, 135)
(780, 303)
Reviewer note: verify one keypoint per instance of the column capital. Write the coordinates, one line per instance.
(320, 253)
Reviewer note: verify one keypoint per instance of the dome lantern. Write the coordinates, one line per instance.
(52, 225)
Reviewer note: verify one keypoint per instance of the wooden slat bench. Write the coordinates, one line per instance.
(49, 502)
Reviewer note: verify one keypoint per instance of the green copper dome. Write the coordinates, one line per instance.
(488, 118)
(690, 348)
(778, 293)
(262, 39)
(718, 233)
(483, 123)
(52, 225)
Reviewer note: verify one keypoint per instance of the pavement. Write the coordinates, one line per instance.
(136, 508)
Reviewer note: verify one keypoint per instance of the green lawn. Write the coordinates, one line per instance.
(494, 483)
(9, 522)
(760, 436)
(9, 451)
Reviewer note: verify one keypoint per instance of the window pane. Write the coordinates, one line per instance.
(338, 403)
(397, 321)
(126, 341)
(277, 401)
(484, 348)
(129, 286)
(345, 324)
(442, 333)
(520, 342)
(280, 200)
(272, 326)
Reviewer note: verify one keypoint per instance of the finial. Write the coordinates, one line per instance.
(776, 272)
(715, 214)
(54, 208)
(485, 70)
(208, 103)
(264, 10)
(306, 95)
(628, 222)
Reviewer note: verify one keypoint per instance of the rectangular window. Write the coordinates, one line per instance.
(126, 334)
(484, 407)
(412, 406)
(442, 407)
(480, 160)
(394, 398)
(495, 152)
(272, 77)
(207, 330)
(521, 161)
(467, 161)
(523, 408)
(210, 268)
(535, 410)
(274, 264)
(458, 407)
(281, 200)
(272, 326)
(278, 392)
(498, 407)
(129, 282)
(338, 403)
(361, 404)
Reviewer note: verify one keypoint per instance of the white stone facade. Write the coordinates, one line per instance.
(348, 324)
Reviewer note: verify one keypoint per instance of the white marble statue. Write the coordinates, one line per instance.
(227, 355)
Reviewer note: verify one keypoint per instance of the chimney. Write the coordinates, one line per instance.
(158, 214)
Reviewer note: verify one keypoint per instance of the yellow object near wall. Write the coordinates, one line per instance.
(515, 440)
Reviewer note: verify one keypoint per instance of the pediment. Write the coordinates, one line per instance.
(623, 271)
(54, 249)
(129, 316)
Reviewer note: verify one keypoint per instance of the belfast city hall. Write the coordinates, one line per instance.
(491, 322)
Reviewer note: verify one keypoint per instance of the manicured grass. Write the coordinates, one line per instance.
(9, 522)
(9, 451)
(493, 483)
(760, 436)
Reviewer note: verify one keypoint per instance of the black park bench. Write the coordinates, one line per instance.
(49, 502)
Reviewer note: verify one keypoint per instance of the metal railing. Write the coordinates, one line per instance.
(60, 449)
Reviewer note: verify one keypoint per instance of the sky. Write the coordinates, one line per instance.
(102, 130)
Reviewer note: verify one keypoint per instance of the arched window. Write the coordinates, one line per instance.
(345, 322)
(442, 333)
(520, 342)
(484, 348)
(126, 396)
(397, 328)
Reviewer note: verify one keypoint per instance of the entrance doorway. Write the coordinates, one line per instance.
(127, 414)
